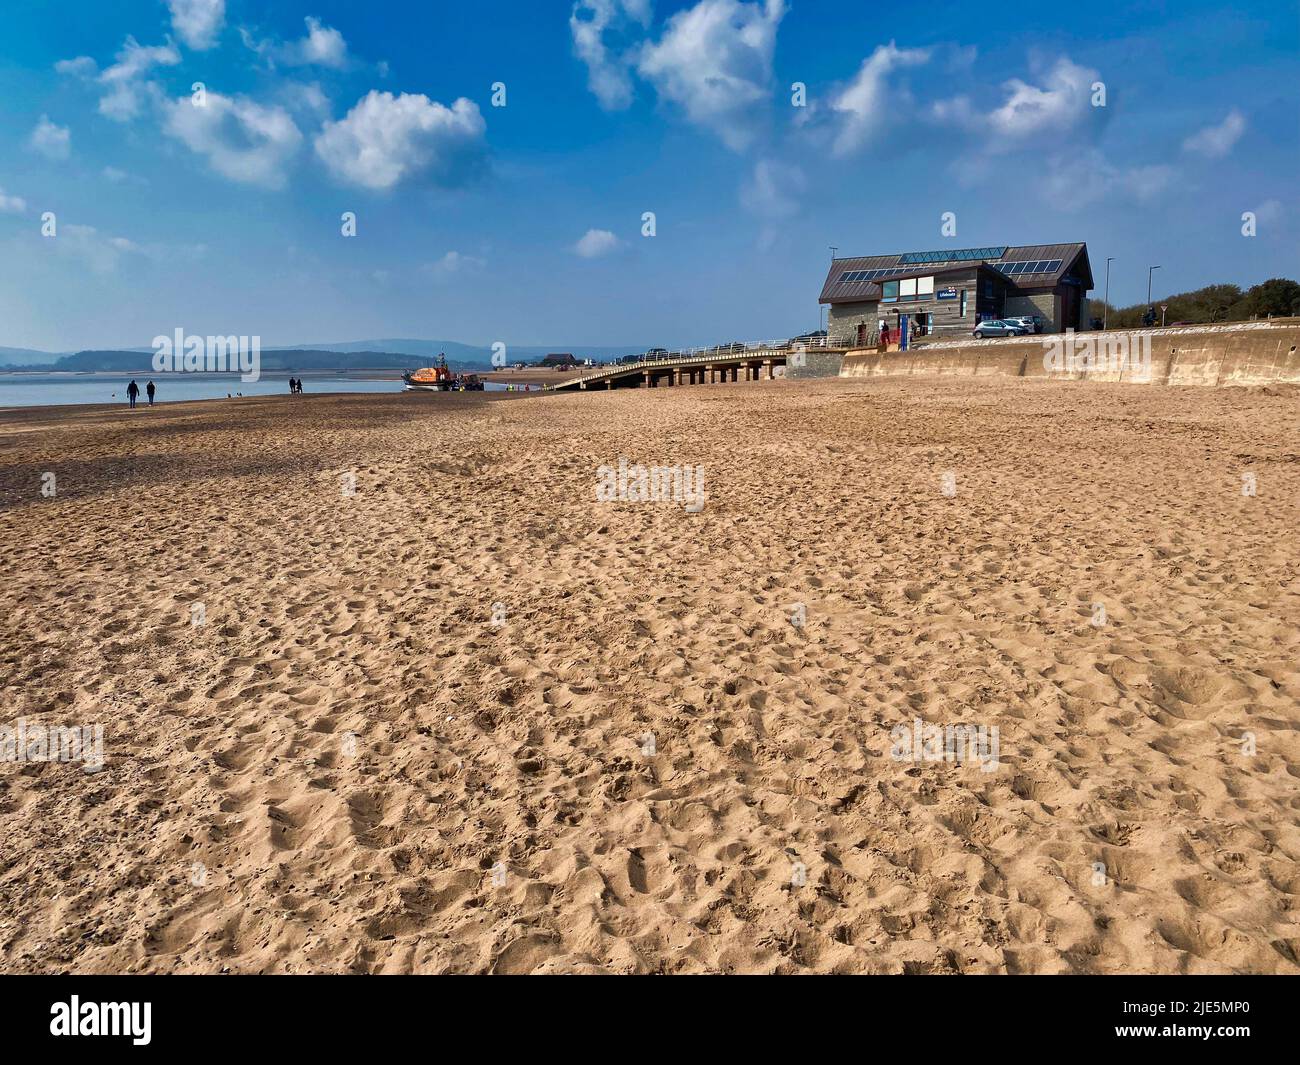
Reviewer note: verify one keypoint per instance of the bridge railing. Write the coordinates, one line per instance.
(735, 350)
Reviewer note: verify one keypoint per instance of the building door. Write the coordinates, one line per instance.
(862, 334)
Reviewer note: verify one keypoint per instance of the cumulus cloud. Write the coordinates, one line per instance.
(715, 62)
(385, 139)
(863, 106)
(125, 83)
(1214, 142)
(1057, 105)
(607, 75)
(596, 242)
(50, 140)
(198, 22)
(323, 46)
(242, 140)
(11, 204)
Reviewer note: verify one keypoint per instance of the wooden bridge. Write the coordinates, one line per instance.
(729, 362)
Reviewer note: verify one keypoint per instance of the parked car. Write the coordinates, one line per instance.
(999, 327)
(1032, 322)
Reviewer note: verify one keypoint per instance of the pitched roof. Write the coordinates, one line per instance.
(1058, 257)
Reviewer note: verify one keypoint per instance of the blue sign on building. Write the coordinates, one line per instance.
(946, 294)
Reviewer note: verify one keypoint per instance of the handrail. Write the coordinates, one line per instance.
(695, 356)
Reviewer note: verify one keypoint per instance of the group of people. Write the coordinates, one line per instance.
(133, 392)
(295, 386)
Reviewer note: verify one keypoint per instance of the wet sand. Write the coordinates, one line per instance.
(470, 719)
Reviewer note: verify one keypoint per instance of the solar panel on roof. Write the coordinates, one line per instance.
(960, 255)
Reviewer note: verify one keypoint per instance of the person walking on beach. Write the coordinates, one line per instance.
(293, 386)
(132, 391)
(149, 390)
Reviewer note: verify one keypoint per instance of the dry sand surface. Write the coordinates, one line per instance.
(335, 770)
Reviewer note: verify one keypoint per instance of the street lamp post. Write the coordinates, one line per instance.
(1150, 271)
(1105, 303)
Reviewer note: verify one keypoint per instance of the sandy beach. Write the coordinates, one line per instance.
(385, 688)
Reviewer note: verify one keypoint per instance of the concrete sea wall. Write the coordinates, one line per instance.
(1242, 353)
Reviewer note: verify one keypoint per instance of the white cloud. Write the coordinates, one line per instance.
(773, 190)
(242, 140)
(607, 76)
(52, 141)
(454, 263)
(1077, 179)
(1215, 142)
(385, 139)
(198, 22)
(11, 204)
(1269, 211)
(113, 174)
(715, 62)
(83, 66)
(124, 81)
(323, 46)
(97, 251)
(773, 193)
(596, 242)
(864, 105)
(309, 97)
(1057, 106)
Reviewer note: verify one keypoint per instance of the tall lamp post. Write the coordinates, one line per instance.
(1150, 271)
(1105, 303)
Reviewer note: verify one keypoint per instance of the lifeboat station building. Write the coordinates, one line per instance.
(948, 292)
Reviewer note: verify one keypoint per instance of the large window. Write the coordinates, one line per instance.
(889, 292)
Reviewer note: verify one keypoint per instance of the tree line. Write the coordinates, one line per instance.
(1275, 298)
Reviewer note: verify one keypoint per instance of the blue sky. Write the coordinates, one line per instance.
(222, 213)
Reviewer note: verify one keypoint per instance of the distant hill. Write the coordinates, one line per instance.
(273, 359)
(394, 354)
(25, 357)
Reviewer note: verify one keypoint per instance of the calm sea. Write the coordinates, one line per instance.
(42, 390)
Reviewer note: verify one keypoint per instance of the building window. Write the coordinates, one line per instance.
(963, 303)
(889, 292)
(924, 287)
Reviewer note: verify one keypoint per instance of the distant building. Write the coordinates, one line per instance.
(559, 360)
(949, 291)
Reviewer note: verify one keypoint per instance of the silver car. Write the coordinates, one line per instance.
(999, 327)
(1032, 322)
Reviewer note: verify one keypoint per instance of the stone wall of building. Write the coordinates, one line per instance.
(843, 320)
(1047, 305)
